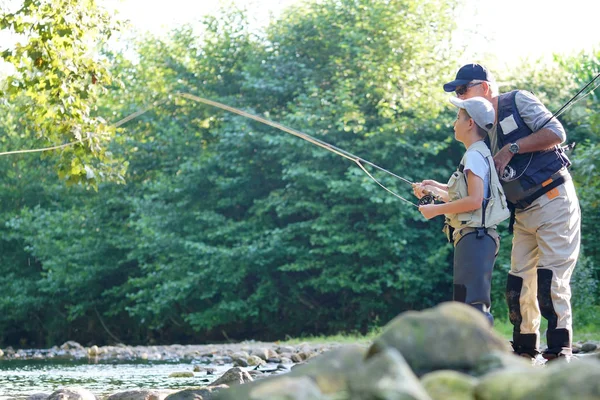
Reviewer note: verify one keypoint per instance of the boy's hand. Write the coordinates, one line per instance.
(429, 211)
(421, 189)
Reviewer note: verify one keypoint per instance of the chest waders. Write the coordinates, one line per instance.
(474, 235)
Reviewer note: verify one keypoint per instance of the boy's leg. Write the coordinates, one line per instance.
(474, 257)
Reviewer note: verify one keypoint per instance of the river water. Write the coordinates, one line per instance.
(20, 378)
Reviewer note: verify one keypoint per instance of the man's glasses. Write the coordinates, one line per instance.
(462, 89)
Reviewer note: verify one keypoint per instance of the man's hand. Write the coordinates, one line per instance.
(502, 158)
(429, 210)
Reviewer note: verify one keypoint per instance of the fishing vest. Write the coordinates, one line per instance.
(488, 215)
(531, 168)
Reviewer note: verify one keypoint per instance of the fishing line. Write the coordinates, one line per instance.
(61, 146)
(428, 199)
(336, 150)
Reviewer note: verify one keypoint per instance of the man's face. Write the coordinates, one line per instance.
(469, 90)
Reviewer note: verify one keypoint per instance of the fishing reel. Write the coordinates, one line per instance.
(508, 174)
(427, 199)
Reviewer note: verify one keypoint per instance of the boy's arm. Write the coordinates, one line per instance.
(472, 202)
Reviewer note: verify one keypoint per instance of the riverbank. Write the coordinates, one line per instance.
(109, 370)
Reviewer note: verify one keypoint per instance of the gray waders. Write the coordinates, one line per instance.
(474, 257)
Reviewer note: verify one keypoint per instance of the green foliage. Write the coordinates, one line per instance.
(57, 79)
(231, 229)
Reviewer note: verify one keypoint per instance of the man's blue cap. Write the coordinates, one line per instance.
(468, 73)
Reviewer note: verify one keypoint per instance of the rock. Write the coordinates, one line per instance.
(1, 353)
(138, 395)
(287, 388)
(181, 374)
(589, 347)
(449, 385)
(386, 375)
(239, 354)
(93, 351)
(329, 372)
(499, 360)
(206, 393)
(510, 384)
(240, 362)
(72, 394)
(255, 374)
(37, 396)
(233, 376)
(255, 360)
(450, 336)
(261, 353)
(286, 349)
(559, 380)
(71, 345)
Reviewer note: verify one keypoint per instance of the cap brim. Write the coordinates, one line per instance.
(451, 86)
(457, 102)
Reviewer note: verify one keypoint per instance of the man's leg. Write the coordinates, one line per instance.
(521, 287)
(559, 240)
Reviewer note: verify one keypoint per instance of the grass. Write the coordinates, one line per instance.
(342, 338)
(502, 327)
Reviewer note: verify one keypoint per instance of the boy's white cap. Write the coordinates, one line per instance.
(480, 109)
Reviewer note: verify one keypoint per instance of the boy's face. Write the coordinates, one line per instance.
(461, 124)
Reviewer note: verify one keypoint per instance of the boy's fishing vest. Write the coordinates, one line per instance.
(493, 210)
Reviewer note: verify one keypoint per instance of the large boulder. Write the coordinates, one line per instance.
(287, 388)
(497, 360)
(449, 385)
(450, 336)
(559, 380)
(386, 376)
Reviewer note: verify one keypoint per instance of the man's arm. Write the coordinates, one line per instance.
(544, 137)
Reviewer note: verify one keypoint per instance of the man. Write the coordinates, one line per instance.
(525, 143)
(473, 203)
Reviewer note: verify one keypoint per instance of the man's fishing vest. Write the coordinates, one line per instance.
(488, 215)
(532, 169)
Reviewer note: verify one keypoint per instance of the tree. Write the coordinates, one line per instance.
(57, 79)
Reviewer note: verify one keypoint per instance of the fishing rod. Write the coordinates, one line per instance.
(510, 174)
(427, 199)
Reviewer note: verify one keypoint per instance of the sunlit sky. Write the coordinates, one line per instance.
(507, 30)
(501, 32)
